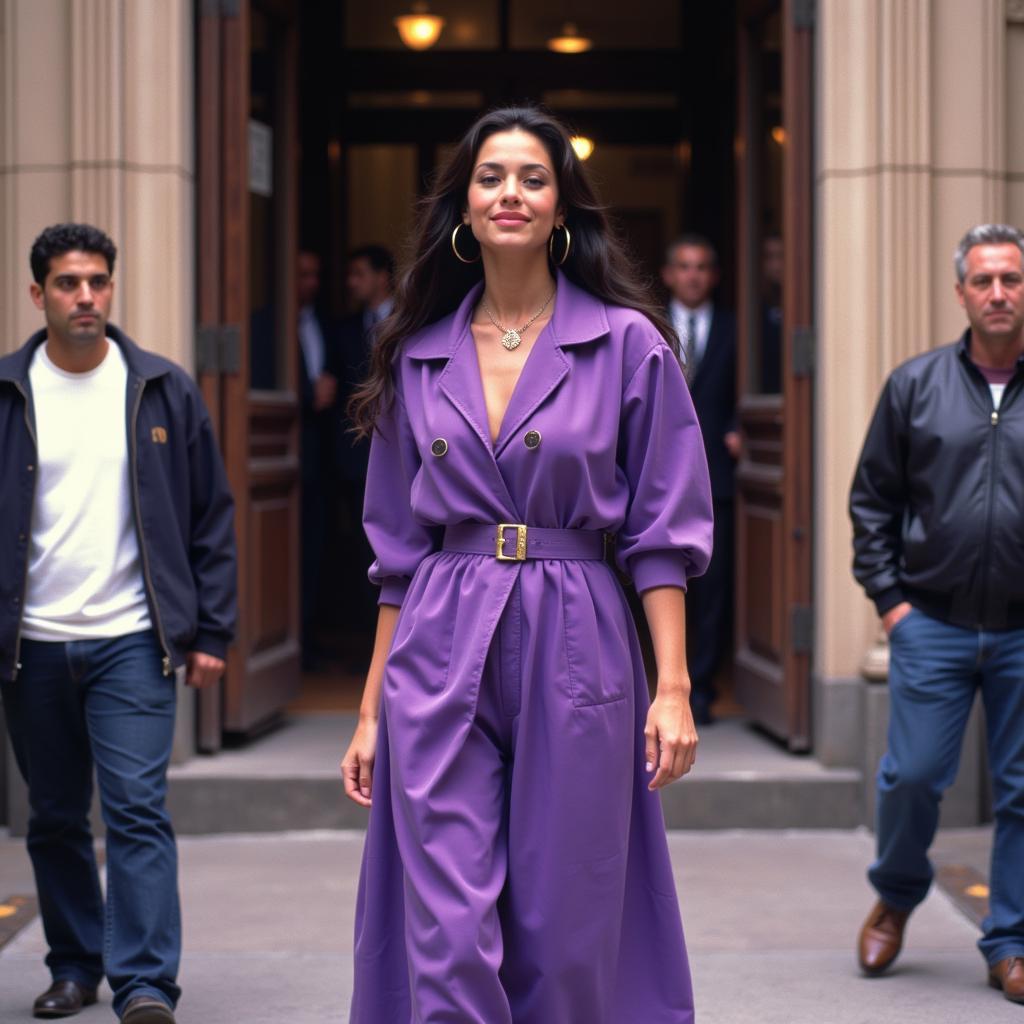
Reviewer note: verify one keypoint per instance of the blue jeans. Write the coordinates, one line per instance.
(104, 702)
(935, 669)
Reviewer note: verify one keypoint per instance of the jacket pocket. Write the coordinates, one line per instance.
(597, 644)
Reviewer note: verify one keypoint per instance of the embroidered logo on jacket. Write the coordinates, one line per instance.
(159, 435)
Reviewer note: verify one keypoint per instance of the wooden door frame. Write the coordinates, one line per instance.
(258, 431)
(779, 443)
(209, 231)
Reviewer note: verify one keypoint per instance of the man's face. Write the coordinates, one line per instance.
(690, 275)
(993, 291)
(364, 283)
(75, 298)
(308, 279)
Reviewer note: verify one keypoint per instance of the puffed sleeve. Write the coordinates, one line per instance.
(399, 542)
(666, 537)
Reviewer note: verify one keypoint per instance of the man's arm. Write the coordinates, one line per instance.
(212, 555)
(878, 500)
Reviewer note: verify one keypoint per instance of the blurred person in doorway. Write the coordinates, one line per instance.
(318, 392)
(117, 569)
(707, 337)
(370, 280)
(939, 548)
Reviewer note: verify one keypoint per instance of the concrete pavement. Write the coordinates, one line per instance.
(770, 920)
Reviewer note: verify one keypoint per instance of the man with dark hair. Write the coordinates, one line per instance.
(370, 281)
(117, 567)
(939, 547)
(707, 339)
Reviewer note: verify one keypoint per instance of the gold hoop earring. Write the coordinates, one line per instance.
(551, 246)
(455, 248)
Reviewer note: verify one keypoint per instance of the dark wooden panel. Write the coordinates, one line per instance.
(268, 556)
(774, 483)
(208, 280)
(261, 428)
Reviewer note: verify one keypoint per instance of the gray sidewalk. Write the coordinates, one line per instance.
(770, 919)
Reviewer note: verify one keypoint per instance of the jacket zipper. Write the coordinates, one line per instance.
(147, 579)
(31, 508)
(994, 422)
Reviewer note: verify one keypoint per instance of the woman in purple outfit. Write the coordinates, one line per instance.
(525, 403)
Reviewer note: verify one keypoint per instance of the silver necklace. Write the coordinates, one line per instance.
(512, 338)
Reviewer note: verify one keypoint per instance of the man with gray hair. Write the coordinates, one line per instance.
(936, 505)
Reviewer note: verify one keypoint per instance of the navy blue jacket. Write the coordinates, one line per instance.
(713, 390)
(184, 514)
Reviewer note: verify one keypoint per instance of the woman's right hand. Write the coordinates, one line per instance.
(357, 764)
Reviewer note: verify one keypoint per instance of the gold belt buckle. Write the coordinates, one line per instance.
(520, 555)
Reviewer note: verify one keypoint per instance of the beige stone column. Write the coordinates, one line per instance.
(913, 135)
(1015, 112)
(97, 125)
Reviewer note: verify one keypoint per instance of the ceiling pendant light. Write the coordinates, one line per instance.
(583, 145)
(420, 29)
(570, 40)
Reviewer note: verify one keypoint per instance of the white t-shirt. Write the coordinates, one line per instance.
(84, 570)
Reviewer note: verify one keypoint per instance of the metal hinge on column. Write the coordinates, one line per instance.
(803, 13)
(801, 628)
(802, 346)
(218, 348)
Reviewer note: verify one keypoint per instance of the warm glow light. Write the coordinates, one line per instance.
(570, 41)
(421, 29)
(583, 146)
(779, 134)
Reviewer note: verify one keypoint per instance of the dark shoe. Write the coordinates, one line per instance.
(63, 999)
(881, 938)
(1008, 976)
(147, 1010)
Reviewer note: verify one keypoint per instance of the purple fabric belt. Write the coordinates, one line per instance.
(514, 542)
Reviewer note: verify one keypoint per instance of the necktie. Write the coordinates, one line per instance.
(690, 348)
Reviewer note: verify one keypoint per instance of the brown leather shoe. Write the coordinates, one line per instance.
(147, 1010)
(1008, 976)
(881, 938)
(63, 999)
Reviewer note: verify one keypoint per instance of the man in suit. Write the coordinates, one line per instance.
(318, 389)
(370, 283)
(707, 336)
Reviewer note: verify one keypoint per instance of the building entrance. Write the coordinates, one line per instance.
(319, 127)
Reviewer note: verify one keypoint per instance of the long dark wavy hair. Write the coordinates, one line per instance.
(434, 282)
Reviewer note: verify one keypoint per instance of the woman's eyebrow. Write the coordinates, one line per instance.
(492, 166)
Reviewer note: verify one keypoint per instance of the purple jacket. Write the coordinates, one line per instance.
(620, 447)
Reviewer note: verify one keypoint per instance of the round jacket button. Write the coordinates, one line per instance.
(532, 439)
(439, 447)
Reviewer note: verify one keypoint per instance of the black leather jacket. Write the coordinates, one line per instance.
(937, 501)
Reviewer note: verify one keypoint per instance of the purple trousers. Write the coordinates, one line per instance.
(516, 867)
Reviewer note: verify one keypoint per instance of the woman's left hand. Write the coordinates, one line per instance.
(671, 738)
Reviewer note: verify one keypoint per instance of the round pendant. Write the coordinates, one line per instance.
(511, 340)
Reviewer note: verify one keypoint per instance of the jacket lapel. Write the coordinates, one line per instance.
(711, 354)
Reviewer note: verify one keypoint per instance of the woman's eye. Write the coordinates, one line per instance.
(534, 182)
(487, 179)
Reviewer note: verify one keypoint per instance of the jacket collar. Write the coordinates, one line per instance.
(579, 317)
(963, 347)
(141, 363)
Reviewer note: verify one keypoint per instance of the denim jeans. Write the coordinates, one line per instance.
(102, 702)
(935, 670)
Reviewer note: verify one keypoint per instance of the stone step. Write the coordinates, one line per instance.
(289, 781)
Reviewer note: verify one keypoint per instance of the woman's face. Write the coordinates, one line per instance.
(512, 203)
